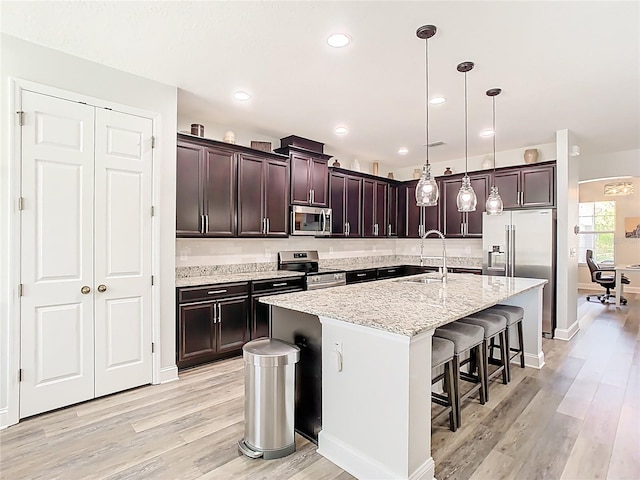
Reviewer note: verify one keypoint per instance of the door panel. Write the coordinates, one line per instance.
(381, 209)
(538, 187)
(189, 206)
(508, 184)
(319, 174)
(452, 218)
(392, 212)
(123, 159)
(220, 192)
(354, 206)
(480, 184)
(300, 173)
(368, 207)
(232, 324)
(250, 196)
(337, 194)
(57, 254)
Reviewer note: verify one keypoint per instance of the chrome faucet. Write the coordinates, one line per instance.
(443, 269)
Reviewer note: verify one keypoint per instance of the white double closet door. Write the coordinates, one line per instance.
(85, 252)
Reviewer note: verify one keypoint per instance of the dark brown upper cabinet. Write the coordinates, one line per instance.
(463, 224)
(416, 220)
(205, 189)
(374, 208)
(263, 196)
(346, 204)
(309, 175)
(527, 187)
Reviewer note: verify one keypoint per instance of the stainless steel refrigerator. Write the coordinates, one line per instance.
(522, 243)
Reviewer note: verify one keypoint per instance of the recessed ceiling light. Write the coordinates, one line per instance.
(487, 133)
(338, 40)
(437, 100)
(241, 96)
(341, 130)
(403, 150)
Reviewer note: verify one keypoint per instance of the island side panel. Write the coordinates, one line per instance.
(376, 409)
(531, 301)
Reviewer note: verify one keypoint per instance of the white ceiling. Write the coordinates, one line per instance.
(561, 65)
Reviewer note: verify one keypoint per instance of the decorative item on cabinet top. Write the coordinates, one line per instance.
(229, 137)
(531, 155)
(197, 129)
(262, 146)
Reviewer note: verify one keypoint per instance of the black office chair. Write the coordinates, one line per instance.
(605, 277)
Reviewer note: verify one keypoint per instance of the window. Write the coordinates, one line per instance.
(597, 227)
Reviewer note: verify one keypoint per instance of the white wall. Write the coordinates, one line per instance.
(506, 158)
(567, 240)
(27, 61)
(614, 164)
(627, 249)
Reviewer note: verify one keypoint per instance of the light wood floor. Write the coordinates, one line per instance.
(576, 419)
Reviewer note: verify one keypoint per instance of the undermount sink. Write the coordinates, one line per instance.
(426, 278)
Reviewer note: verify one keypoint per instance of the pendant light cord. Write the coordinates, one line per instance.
(426, 126)
(466, 121)
(493, 99)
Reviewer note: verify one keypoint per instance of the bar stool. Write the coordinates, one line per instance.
(465, 338)
(442, 354)
(514, 316)
(494, 325)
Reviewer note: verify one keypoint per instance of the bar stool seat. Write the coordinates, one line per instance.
(514, 316)
(493, 326)
(465, 338)
(442, 352)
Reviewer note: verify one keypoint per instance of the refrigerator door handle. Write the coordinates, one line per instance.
(512, 250)
(507, 246)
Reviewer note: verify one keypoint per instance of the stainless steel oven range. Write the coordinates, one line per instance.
(307, 261)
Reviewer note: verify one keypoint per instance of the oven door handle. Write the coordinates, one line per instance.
(324, 222)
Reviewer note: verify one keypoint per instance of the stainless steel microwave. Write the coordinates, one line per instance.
(311, 221)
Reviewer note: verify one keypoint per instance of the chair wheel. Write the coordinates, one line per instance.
(603, 301)
(623, 302)
(588, 298)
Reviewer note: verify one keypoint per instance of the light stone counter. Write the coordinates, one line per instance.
(234, 277)
(404, 307)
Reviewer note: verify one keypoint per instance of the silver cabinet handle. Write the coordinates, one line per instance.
(202, 224)
(324, 223)
(281, 284)
(313, 196)
(361, 274)
(206, 224)
(267, 231)
(391, 271)
(348, 228)
(214, 292)
(264, 225)
(309, 196)
(375, 229)
(215, 313)
(389, 230)
(219, 314)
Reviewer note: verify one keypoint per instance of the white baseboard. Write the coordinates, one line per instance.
(534, 361)
(567, 333)
(168, 374)
(361, 466)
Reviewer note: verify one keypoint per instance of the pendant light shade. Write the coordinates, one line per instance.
(494, 201)
(466, 199)
(427, 189)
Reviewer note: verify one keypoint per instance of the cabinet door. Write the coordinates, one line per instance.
(392, 212)
(219, 192)
(196, 333)
(318, 176)
(538, 186)
(337, 197)
(354, 206)
(412, 213)
(431, 218)
(276, 198)
(259, 319)
(480, 184)
(188, 190)
(300, 179)
(451, 217)
(368, 207)
(232, 324)
(380, 210)
(250, 196)
(508, 184)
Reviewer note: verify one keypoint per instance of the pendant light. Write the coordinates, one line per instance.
(427, 189)
(494, 201)
(467, 199)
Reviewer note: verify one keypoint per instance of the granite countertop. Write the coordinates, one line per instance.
(404, 307)
(234, 277)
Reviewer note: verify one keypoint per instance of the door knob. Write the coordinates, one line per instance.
(84, 290)
(102, 288)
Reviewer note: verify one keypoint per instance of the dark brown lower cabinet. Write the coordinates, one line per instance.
(212, 323)
(260, 311)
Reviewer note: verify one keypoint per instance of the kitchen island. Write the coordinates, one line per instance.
(376, 360)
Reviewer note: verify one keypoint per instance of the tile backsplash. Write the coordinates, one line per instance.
(191, 252)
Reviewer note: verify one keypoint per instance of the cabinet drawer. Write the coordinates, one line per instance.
(212, 292)
(275, 285)
(474, 271)
(361, 276)
(391, 272)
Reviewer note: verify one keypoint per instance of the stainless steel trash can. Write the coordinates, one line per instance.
(269, 398)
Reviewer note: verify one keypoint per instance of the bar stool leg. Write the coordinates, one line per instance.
(482, 378)
(504, 354)
(456, 387)
(508, 357)
(521, 341)
(485, 366)
(449, 385)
